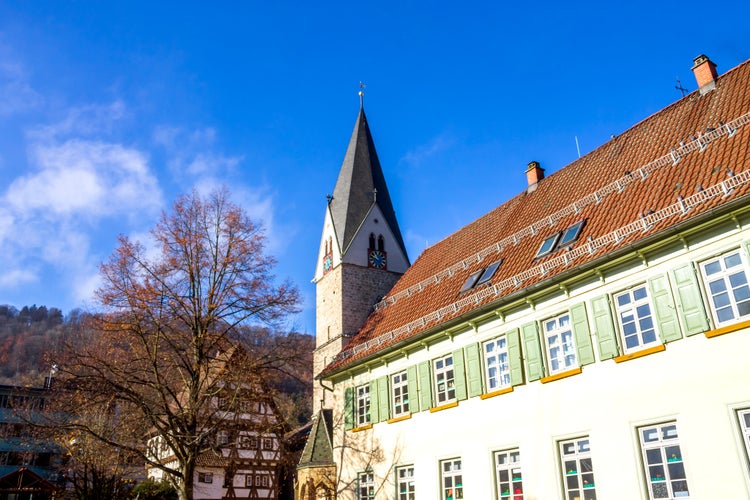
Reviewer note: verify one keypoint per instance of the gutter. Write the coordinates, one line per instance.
(668, 233)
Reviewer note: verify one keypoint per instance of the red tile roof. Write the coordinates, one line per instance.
(672, 167)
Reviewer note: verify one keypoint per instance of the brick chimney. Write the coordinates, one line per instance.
(534, 174)
(705, 73)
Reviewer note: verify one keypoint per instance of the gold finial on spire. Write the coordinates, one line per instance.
(362, 87)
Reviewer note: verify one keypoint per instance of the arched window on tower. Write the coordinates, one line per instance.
(372, 241)
(381, 243)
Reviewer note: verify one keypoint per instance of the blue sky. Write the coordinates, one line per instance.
(109, 110)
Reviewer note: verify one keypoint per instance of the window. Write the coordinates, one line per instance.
(400, 393)
(560, 239)
(636, 320)
(570, 234)
(726, 281)
(248, 442)
(744, 418)
(365, 486)
(249, 481)
(405, 488)
(488, 273)
(662, 461)
(497, 364)
(508, 474)
(471, 281)
(547, 246)
(561, 349)
(577, 469)
(363, 405)
(480, 277)
(268, 444)
(445, 390)
(222, 438)
(451, 480)
(206, 477)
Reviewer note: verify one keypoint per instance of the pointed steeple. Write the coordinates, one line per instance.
(361, 184)
(318, 449)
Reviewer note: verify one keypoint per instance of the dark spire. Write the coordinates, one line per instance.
(359, 177)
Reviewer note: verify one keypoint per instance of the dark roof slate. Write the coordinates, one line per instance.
(422, 291)
(318, 448)
(360, 175)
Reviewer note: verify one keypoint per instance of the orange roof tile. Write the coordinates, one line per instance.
(672, 167)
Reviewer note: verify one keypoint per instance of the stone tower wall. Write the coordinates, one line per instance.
(344, 299)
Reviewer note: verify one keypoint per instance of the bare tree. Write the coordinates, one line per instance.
(166, 316)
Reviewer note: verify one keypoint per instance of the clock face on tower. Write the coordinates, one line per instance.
(327, 263)
(376, 259)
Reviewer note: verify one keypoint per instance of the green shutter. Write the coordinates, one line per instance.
(425, 386)
(580, 322)
(349, 408)
(384, 400)
(665, 312)
(374, 413)
(690, 305)
(411, 387)
(532, 351)
(514, 357)
(604, 327)
(473, 369)
(459, 374)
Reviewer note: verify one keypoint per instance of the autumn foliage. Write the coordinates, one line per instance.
(167, 313)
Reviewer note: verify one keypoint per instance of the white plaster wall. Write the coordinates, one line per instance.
(697, 382)
(357, 251)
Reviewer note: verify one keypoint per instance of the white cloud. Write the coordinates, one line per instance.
(16, 93)
(87, 120)
(14, 278)
(191, 154)
(86, 178)
(417, 156)
(77, 187)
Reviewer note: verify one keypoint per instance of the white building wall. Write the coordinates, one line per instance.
(698, 382)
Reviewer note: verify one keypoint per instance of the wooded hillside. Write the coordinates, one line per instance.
(29, 337)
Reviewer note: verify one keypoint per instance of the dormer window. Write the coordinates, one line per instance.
(480, 277)
(560, 239)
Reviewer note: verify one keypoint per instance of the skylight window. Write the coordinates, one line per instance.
(560, 239)
(547, 245)
(480, 277)
(471, 281)
(571, 234)
(489, 272)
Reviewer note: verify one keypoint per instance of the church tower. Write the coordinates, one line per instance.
(362, 253)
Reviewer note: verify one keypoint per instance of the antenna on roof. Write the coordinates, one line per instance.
(362, 87)
(682, 89)
(578, 148)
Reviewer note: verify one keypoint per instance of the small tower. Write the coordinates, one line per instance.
(362, 253)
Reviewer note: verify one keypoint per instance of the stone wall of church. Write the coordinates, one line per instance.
(344, 299)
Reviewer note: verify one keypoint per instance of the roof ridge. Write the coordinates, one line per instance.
(674, 156)
(643, 224)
